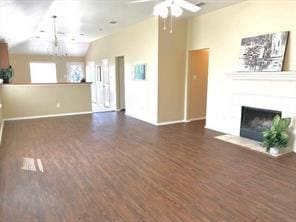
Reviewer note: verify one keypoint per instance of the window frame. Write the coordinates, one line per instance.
(82, 64)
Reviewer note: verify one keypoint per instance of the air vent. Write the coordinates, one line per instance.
(200, 4)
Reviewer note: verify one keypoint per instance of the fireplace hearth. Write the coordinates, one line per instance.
(254, 121)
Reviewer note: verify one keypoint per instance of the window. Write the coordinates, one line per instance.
(75, 71)
(43, 72)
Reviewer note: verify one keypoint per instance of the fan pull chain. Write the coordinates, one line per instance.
(164, 24)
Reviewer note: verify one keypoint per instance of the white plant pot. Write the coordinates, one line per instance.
(274, 151)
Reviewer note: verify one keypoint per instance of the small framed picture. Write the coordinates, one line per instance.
(139, 72)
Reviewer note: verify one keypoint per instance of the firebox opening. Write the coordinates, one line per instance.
(254, 121)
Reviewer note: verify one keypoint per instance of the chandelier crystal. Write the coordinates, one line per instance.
(56, 47)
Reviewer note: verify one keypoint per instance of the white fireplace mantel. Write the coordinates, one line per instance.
(276, 76)
(266, 90)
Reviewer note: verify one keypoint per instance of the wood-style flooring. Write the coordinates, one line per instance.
(110, 167)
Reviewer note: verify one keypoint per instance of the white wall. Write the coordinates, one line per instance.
(138, 44)
(221, 31)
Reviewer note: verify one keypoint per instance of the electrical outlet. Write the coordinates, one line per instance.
(58, 105)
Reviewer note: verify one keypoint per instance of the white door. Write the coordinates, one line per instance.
(99, 86)
(106, 83)
(91, 77)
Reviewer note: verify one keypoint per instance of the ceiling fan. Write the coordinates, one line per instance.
(168, 8)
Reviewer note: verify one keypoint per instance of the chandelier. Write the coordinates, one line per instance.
(56, 47)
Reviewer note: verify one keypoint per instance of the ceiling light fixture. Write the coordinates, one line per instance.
(56, 47)
(173, 8)
(176, 10)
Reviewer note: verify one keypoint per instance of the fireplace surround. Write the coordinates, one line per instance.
(269, 90)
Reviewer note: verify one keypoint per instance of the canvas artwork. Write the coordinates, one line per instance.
(139, 72)
(264, 53)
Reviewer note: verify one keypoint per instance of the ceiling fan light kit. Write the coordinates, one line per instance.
(176, 11)
(162, 12)
(173, 8)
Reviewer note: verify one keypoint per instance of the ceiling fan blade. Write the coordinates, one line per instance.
(187, 5)
(162, 4)
(140, 1)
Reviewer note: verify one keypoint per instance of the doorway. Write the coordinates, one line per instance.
(198, 82)
(120, 92)
(99, 76)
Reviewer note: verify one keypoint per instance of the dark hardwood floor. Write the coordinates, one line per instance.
(109, 167)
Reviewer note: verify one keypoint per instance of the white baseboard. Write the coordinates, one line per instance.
(46, 116)
(1, 130)
(194, 119)
(143, 120)
(180, 121)
(170, 122)
(197, 119)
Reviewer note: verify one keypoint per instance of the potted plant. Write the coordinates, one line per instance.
(6, 74)
(276, 137)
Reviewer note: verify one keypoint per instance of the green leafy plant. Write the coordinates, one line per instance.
(6, 74)
(277, 135)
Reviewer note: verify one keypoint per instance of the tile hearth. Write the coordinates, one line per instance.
(248, 143)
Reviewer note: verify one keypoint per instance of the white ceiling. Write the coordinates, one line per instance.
(22, 20)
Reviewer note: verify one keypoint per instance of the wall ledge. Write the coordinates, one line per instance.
(273, 76)
(46, 84)
(47, 116)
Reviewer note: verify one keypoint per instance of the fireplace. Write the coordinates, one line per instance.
(254, 121)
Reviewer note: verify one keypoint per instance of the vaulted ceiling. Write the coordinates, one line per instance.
(27, 25)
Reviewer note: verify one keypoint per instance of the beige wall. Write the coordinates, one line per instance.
(38, 100)
(21, 66)
(138, 44)
(221, 31)
(171, 71)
